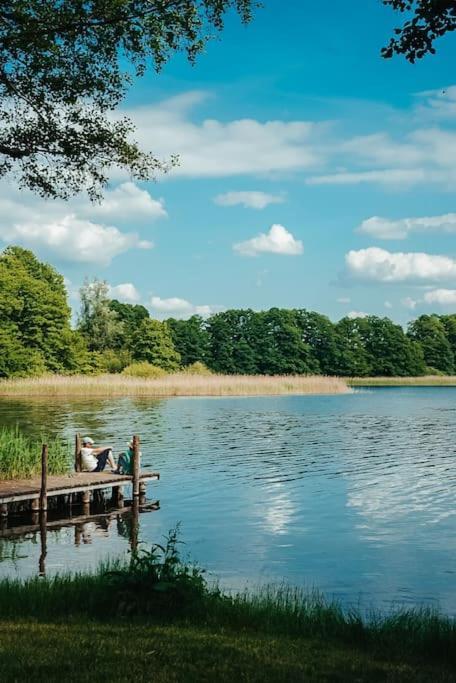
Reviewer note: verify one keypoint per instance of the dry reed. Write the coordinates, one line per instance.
(179, 384)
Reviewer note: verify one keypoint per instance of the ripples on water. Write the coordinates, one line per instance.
(353, 494)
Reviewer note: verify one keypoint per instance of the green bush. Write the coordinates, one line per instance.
(197, 368)
(430, 371)
(144, 370)
(114, 361)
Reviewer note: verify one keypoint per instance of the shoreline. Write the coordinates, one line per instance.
(203, 386)
(169, 386)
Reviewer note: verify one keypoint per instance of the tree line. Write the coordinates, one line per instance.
(36, 335)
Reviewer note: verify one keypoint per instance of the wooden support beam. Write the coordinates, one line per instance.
(118, 496)
(4, 510)
(44, 468)
(35, 504)
(86, 502)
(77, 453)
(136, 465)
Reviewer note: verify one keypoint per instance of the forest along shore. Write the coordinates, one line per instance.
(179, 384)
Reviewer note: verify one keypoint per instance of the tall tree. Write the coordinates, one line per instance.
(34, 314)
(65, 66)
(98, 323)
(152, 342)
(430, 332)
(190, 339)
(131, 316)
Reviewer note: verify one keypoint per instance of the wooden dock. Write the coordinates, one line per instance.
(74, 485)
(79, 482)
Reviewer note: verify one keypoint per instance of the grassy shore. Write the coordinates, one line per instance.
(50, 629)
(427, 381)
(180, 384)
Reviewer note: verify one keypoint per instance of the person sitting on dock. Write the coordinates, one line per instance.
(125, 461)
(95, 459)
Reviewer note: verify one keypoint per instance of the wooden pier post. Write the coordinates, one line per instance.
(134, 524)
(44, 468)
(4, 510)
(136, 466)
(43, 542)
(77, 453)
(86, 502)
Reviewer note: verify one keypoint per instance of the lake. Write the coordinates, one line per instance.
(352, 494)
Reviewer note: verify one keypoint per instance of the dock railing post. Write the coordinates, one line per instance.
(77, 453)
(44, 467)
(136, 466)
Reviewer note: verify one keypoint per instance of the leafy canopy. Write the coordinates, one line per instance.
(65, 66)
(429, 20)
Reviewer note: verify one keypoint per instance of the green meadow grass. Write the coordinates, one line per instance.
(20, 455)
(143, 622)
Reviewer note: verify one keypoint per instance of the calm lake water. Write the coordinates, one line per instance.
(352, 494)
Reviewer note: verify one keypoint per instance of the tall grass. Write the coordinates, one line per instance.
(169, 591)
(20, 455)
(179, 384)
(425, 381)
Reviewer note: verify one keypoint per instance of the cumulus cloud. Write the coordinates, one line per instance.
(125, 292)
(277, 241)
(127, 201)
(73, 239)
(71, 231)
(176, 307)
(249, 199)
(384, 228)
(357, 314)
(443, 297)
(343, 300)
(388, 304)
(212, 148)
(379, 265)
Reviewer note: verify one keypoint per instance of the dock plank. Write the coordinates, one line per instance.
(27, 489)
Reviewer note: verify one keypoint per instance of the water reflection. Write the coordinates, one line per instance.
(353, 494)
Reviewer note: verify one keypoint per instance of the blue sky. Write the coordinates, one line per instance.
(295, 122)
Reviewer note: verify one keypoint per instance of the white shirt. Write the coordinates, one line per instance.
(88, 460)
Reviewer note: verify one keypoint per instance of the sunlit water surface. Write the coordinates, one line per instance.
(352, 494)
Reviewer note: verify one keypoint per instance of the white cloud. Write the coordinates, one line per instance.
(383, 228)
(73, 239)
(410, 303)
(388, 304)
(181, 308)
(357, 314)
(213, 148)
(250, 199)
(390, 176)
(343, 300)
(379, 265)
(277, 241)
(67, 230)
(443, 297)
(127, 201)
(126, 292)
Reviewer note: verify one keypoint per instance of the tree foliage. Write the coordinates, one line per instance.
(98, 322)
(65, 66)
(428, 20)
(152, 342)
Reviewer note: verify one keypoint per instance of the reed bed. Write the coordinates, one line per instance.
(425, 381)
(180, 384)
(20, 456)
